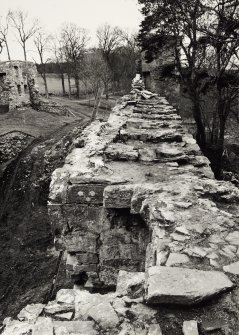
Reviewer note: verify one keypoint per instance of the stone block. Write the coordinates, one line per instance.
(175, 259)
(120, 151)
(82, 258)
(154, 136)
(190, 328)
(130, 284)
(155, 329)
(85, 194)
(85, 218)
(54, 307)
(232, 268)
(30, 312)
(78, 242)
(57, 219)
(118, 196)
(174, 285)
(65, 296)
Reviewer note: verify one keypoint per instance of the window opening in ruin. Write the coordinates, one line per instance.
(19, 89)
(16, 70)
(2, 77)
(25, 88)
(80, 279)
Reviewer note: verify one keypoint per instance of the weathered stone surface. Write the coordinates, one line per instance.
(143, 313)
(65, 296)
(64, 316)
(190, 328)
(129, 329)
(95, 307)
(130, 284)
(84, 218)
(54, 307)
(118, 196)
(78, 242)
(211, 325)
(183, 286)
(119, 306)
(170, 197)
(30, 312)
(74, 328)
(43, 326)
(155, 329)
(175, 259)
(233, 238)
(232, 268)
(18, 328)
(85, 194)
(119, 151)
(150, 136)
(147, 155)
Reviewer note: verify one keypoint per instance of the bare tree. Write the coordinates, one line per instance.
(42, 43)
(96, 71)
(59, 59)
(1, 44)
(25, 28)
(109, 39)
(74, 40)
(4, 29)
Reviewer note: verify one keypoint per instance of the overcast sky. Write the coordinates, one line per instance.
(88, 14)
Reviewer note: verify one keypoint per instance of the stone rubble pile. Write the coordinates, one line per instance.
(136, 208)
(11, 144)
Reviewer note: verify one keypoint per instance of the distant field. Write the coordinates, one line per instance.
(54, 84)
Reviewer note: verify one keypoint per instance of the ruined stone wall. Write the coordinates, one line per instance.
(136, 194)
(159, 76)
(18, 84)
(135, 191)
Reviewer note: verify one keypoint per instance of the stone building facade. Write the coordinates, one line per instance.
(18, 85)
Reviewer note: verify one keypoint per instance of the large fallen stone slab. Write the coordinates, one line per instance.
(30, 312)
(174, 285)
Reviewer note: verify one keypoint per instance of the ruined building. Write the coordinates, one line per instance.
(160, 74)
(18, 85)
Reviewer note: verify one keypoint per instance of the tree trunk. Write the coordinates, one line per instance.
(106, 90)
(77, 83)
(8, 52)
(69, 85)
(201, 134)
(63, 84)
(25, 53)
(45, 85)
(97, 103)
